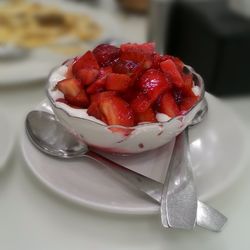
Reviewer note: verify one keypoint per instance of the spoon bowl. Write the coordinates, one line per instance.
(51, 137)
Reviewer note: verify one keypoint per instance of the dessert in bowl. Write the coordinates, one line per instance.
(125, 100)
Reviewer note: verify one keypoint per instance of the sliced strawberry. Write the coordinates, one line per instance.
(157, 59)
(172, 72)
(140, 103)
(146, 116)
(188, 80)
(118, 82)
(71, 87)
(80, 100)
(144, 48)
(123, 66)
(179, 64)
(136, 73)
(188, 103)
(129, 94)
(104, 71)
(116, 111)
(93, 110)
(106, 53)
(87, 60)
(153, 83)
(97, 98)
(188, 84)
(168, 105)
(138, 53)
(87, 76)
(74, 95)
(97, 86)
(138, 57)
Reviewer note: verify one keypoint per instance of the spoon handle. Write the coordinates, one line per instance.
(179, 198)
(141, 182)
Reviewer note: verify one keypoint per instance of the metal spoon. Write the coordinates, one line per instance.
(179, 196)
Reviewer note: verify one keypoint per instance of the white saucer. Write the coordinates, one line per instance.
(6, 139)
(219, 153)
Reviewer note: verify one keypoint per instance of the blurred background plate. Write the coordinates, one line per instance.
(39, 62)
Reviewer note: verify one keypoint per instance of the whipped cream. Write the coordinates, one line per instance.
(196, 90)
(160, 117)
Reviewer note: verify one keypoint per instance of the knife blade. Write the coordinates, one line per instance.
(207, 217)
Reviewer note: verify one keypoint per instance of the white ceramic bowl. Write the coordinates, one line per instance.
(119, 139)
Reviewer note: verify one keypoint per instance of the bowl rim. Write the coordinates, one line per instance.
(202, 96)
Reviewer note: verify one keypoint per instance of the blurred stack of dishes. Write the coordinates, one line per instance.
(47, 34)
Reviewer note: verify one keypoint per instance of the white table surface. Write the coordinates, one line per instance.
(34, 218)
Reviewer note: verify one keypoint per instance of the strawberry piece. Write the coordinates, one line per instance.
(80, 100)
(138, 53)
(137, 73)
(153, 83)
(123, 66)
(93, 110)
(97, 86)
(172, 72)
(188, 84)
(97, 98)
(129, 94)
(105, 71)
(144, 48)
(138, 57)
(146, 116)
(179, 64)
(87, 60)
(106, 53)
(140, 104)
(116, 111)
(157, 59)
(87, 76)
(188, 103)
(117, 82)
(168, 105)
(73, 92)
(187, 80)
(71, 87)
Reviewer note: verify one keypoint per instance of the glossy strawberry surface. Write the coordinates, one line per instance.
(128, 85)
